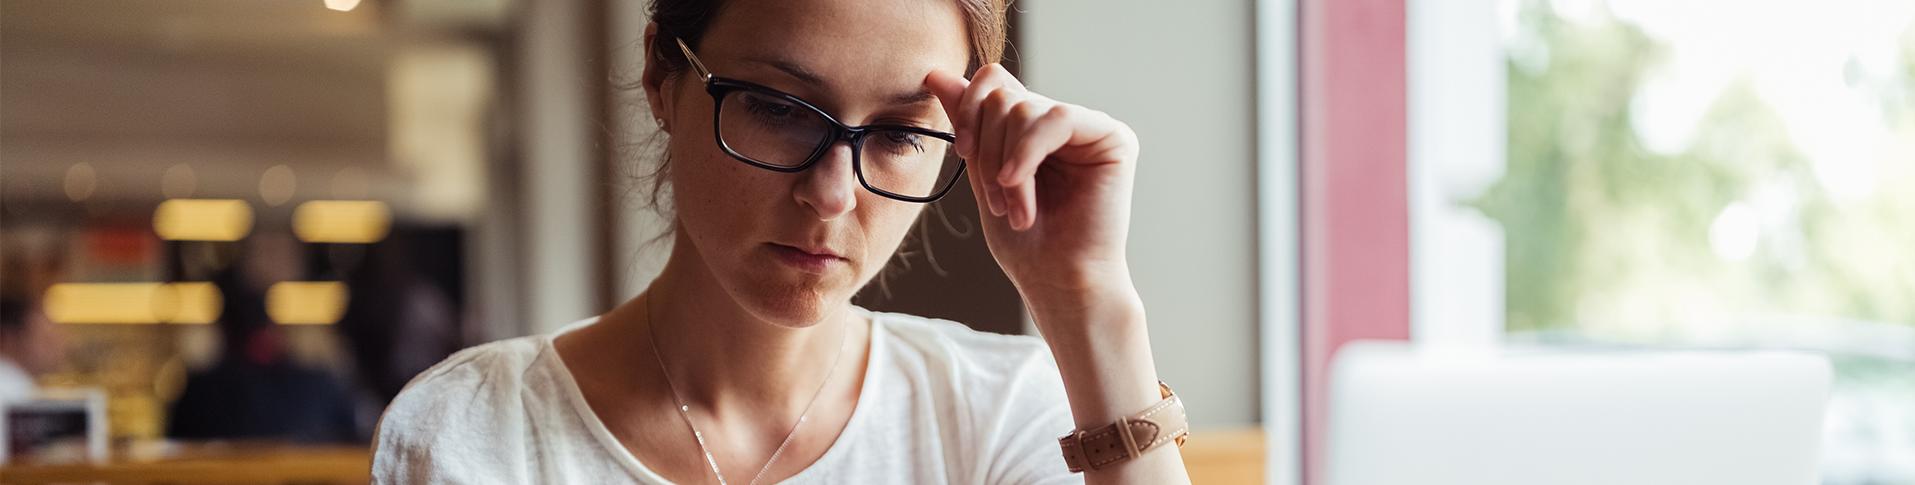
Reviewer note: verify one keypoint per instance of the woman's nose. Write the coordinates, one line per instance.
(829, 188)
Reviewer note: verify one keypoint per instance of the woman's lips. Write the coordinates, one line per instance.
(813, 262)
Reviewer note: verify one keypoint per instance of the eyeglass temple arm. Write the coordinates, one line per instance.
(703, 74)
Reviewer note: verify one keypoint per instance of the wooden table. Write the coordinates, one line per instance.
(1225, 456)
(222, 464)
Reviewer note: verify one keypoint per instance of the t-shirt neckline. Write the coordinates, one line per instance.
(624, 456)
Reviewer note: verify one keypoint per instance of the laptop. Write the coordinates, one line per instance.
(1403, 415)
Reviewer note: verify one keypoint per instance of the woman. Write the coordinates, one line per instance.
(804, 139)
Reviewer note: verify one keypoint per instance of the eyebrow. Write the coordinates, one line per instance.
(912, 97)
(794, 70)
(808, 76)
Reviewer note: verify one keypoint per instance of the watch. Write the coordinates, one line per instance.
(1129, 437)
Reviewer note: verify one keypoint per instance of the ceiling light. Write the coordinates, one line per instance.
(342, 221)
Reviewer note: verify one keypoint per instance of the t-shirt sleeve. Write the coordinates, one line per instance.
(1035, 413)
(454, 425)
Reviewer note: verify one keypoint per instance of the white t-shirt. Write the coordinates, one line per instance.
(15, 384)
(940, 403)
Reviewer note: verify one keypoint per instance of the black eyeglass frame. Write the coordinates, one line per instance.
(718, 87)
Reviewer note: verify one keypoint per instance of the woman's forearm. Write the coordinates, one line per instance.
(1102, 347)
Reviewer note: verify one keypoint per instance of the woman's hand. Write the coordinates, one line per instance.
(1054, 182)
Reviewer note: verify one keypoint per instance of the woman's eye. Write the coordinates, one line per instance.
(768, 109)
(903, 140)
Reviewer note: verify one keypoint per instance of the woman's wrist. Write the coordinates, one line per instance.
(1078, 289)
(1101, 343)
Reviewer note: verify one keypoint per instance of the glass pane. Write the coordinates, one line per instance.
(1727, 174)
(770, 129)
(907, 163)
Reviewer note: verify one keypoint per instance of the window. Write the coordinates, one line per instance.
(1691, 174)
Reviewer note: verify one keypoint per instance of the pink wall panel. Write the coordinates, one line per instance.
(1355, 203)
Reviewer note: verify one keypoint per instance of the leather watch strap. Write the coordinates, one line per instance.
(1130, 436)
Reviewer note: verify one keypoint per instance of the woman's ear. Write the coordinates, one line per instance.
(654, 78)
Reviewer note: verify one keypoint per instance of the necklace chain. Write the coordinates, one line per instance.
(684, 411)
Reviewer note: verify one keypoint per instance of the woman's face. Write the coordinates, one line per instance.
(792, 247)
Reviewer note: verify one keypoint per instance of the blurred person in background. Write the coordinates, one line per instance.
(396, 325)
(745, 360)
(256, 391)
(30, 345)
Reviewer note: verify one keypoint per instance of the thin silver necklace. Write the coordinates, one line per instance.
(684, 412)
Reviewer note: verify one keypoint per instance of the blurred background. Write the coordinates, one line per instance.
(238, 227)
(1683, 175)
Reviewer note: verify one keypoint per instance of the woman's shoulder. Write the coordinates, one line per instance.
(999, 396)
(494, 364)
(928, 330)
(450, 419)
(978, 355)
(474, 382)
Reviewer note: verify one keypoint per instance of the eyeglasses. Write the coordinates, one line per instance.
(776, 131)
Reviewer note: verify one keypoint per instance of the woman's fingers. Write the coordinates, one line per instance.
(1046, 128)
(1042, 129)
(1021, 127)
(949, 89)
(989, 150)
(1022, 202)
(954, 93)
(1003, 132)
(989, 80)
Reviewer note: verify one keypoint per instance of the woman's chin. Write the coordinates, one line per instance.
(793, 306)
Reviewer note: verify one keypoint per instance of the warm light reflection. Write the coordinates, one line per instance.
(178, 181)
(203, 219)
(277, 185)
(190, 303)
(342, 5)
(342, 221)
(80, 182)
(133, 303)
(306, 302)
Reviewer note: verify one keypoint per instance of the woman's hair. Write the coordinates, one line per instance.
(688, 19)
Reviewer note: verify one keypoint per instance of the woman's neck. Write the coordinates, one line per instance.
(720, 356)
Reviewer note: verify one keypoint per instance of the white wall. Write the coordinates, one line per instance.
(555, 210)
(1181, 74)
(1457, 132)
(1279, 278)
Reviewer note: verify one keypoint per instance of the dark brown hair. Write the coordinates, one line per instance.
(688, 19)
